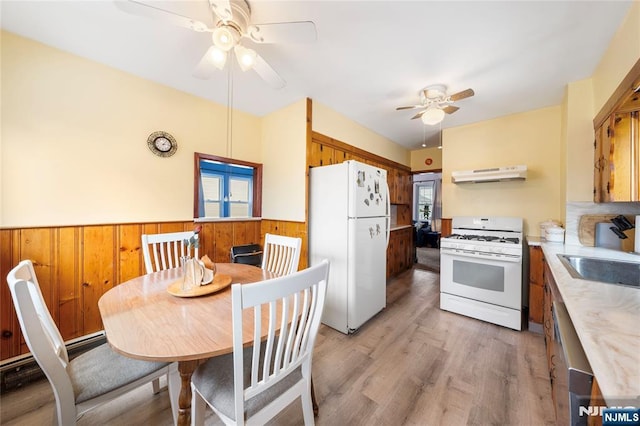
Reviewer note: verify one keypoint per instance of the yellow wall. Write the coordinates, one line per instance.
(532, 139)
(621, 55)
(419, 156)
(74, 141)
(579, 141)
(284, 153)
(335, 125)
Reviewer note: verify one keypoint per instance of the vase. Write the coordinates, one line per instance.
(193, 273)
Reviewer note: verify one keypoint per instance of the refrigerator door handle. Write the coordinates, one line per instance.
(388, 220)
(386, 183)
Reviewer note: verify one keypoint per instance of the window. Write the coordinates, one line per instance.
(226, 187)
(424, 196)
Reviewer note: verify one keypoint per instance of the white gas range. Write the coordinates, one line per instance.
(481, 269)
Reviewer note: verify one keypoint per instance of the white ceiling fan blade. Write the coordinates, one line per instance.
(418, 115)
(264, 70)
(138, 8)
(222, 8)
(207, 65)
(284, 32)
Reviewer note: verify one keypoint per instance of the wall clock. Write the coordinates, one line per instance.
(162, 144)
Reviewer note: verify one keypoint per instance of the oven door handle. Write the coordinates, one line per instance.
(481, 255)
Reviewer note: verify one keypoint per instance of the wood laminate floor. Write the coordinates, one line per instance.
(413, 364)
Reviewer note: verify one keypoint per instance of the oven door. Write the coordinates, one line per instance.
(486, 278)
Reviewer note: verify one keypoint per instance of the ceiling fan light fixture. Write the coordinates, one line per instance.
(246, 57)
(432, 115)
(225, 37)
(218, 57)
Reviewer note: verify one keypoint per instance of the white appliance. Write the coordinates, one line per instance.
(494, 174)
(481, 269)
(349, 224)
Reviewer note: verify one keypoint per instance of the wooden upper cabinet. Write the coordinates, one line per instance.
(324, 151)
(617, 144)
(616, 159)
(392, 181)
(321, 155)
(325, 155)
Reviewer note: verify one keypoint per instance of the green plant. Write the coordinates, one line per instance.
(194, 240)
(426, 211)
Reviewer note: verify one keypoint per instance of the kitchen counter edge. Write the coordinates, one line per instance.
(605, 317)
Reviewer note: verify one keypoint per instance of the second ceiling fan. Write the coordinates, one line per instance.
(435, 103)
(231, 23)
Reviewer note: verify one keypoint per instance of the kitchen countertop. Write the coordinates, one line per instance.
(399, 227)
(606, 318)
(535, 241)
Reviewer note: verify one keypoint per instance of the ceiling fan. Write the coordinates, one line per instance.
(436, 103)
(231, 23)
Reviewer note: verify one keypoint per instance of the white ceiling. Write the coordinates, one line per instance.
(370, 56)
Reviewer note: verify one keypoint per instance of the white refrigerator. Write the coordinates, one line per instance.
(349, 225)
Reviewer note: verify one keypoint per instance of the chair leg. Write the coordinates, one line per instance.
(307, 409)
(198, 408)
(314, 403)
(174, 383)
(156, 386)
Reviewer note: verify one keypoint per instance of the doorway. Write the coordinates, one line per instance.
(427, 215)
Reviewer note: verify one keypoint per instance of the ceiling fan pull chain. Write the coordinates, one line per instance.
(229, 111)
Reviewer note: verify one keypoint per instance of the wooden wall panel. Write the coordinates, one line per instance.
(131, 263)
(223, 237)
(68, 278)
(289, 229)
(98, 274)
(9, 328)
(76, 265)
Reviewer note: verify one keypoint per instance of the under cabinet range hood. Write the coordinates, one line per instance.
(495, 174)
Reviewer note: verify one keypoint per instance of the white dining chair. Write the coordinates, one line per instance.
(253, 384)
(163, 251)
(281, 255)
(92, 378)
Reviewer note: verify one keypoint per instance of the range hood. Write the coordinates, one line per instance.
(495, 174)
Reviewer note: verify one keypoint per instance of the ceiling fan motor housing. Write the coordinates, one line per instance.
(240, 18)
(434, 94)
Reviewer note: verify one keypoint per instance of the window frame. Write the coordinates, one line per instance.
(256, 190)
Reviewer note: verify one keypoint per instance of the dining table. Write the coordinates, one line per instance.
(144, 319)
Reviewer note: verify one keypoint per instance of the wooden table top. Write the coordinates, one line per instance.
(143, 321)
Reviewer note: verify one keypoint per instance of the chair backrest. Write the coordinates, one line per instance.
(163, 251)
(281, 254)
(248, 254)
(40, 332)
(294, 303)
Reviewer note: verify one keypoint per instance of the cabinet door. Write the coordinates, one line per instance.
(616, 159)
(391, 254)
(391, 181)
(603, 165)
(321, 155)
(623, 180)
(536, 285)
(339, 156)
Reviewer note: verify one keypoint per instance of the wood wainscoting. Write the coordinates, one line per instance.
(76, 265)
(289, 229)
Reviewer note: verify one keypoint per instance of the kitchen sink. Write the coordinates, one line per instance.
(603, 270)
